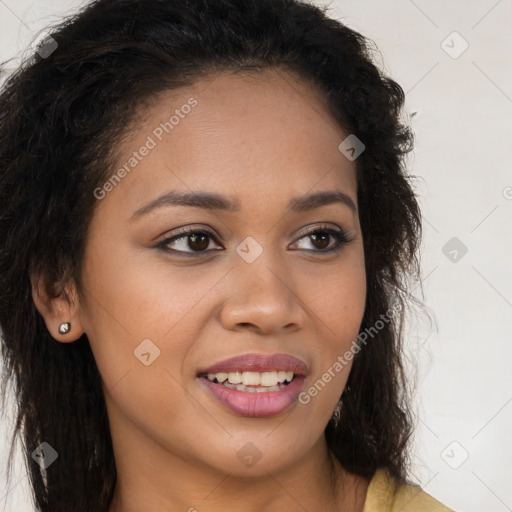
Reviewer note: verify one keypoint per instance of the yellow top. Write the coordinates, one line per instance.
(385, 495)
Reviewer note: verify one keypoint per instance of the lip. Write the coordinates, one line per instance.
(256, 405)
(259, 363)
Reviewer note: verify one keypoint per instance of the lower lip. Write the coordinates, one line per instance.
(256, 405)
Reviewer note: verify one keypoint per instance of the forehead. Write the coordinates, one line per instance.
(253, 133)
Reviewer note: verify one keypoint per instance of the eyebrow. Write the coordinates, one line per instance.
(212, 201)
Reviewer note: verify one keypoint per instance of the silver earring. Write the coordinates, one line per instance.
(64, 328)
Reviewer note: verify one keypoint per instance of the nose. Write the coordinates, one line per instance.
(262, 297)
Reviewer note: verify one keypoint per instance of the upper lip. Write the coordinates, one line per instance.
(259, 363)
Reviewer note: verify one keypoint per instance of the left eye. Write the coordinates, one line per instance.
(192, 241)
(319, 238)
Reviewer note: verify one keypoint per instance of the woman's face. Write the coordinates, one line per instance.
(256, 282)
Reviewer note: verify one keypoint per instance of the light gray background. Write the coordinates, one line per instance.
(463, 131)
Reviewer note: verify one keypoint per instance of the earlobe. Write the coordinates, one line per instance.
(60, 313)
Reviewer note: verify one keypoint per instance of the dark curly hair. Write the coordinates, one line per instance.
(62, 114)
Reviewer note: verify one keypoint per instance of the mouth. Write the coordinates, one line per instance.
(252, 382)
(255, 385)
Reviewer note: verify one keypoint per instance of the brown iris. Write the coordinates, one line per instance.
(322, 238)
(201, 239)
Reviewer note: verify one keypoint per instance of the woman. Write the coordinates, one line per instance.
(207, 238)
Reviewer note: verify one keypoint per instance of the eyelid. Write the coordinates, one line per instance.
(184, 230)
(318, 227)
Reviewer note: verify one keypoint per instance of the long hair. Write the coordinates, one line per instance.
(62, 114)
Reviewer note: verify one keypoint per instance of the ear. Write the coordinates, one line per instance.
(58, 309)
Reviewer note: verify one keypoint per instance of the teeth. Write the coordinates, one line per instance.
(281, 376)
(263, 379)
(221, 377)
(235, 377)
(269, 379)
(251, 379)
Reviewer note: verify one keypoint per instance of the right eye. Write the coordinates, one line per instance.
(189, 241)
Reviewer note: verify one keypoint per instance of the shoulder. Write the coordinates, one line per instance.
(385, 494)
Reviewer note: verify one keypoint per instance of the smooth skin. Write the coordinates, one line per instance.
(260, 139)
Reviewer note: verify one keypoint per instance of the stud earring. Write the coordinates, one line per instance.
(64, 328)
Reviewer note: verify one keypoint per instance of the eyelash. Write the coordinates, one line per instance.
(339, 236)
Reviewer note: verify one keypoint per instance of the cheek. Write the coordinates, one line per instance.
(337, 304)
(138, 313)
(337, 296)
(139, 297)
(141, 324)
